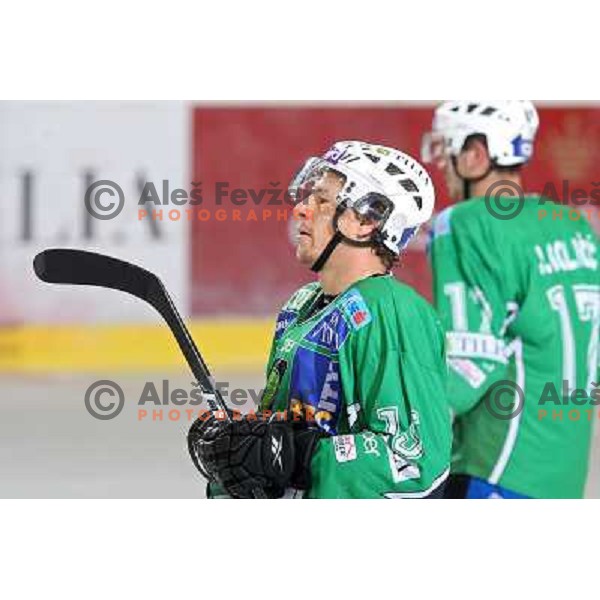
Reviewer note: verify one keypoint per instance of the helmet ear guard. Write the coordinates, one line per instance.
(374, 207)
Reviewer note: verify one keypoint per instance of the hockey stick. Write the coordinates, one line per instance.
(78, 267)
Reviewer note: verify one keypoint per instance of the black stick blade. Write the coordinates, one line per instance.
(44, 271)
(78, 267)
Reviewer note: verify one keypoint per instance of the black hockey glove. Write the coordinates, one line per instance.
(253, 453)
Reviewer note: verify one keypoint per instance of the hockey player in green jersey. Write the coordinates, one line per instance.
(518, 292)
(355, 402)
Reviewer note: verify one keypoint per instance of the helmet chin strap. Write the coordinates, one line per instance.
(338, 237)
(467, 182)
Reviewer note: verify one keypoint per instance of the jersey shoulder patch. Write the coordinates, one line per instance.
(355, 309)
(441, 224)
(470, 218)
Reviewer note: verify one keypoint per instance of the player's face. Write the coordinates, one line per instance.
(315, 218)
(454, 183)
(436, 152)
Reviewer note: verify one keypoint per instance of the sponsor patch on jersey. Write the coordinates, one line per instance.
(315, 384)
(468, 370)
(345, 448)
(330, 332)
(356, 310)
(370, 443)
(353, 411)
(329, 400)
(301, 297)
(284, 320)
(465, 344)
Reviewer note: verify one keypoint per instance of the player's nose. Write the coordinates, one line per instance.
(302, 211)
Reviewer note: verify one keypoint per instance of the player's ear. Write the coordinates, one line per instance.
(355, 226)
(474, 159)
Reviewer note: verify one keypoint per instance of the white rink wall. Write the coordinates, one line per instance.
(49, 154)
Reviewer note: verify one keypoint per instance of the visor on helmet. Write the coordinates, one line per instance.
(434, 149)
(303, 183)
(356, 193)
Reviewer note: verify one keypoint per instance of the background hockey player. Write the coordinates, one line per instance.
(520, 297)
(358, 356)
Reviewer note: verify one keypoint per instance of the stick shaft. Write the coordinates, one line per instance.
(79, 267)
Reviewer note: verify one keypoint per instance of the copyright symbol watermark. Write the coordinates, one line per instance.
(101, 407)
(502, 409)
(100, 202)
(504, 200)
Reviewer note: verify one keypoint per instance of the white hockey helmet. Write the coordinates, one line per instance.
(509, 127)
(380, 183)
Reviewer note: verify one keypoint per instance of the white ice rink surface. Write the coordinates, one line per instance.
(50, 446)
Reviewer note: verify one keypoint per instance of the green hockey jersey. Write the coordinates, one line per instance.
(368, 368)
(520, 300)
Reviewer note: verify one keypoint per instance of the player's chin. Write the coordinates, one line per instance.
(304, 255)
